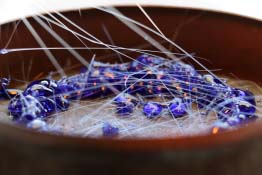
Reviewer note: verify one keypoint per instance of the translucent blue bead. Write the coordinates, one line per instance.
(144, 61)
(26, 117)
(66, 88)
(233, 121)
(246, 107)
(48, 104)
(62, 103)
(239, 119)
(244, 94)
(45, 82)
(236, 112)
(178, 108)
(109, 130)
(226, 111)
(26, 108)
(83, 69)
(44, 87)
(124, 105)
(206, 94)
(181, 70)
(4, 82)
(152, 109)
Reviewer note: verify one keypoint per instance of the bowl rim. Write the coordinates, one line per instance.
(208, 141)
(252, 12)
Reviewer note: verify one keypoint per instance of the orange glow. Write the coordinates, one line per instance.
(110, 75)
(103, 88)
(94, 83)
(215, 130)
(12, 92)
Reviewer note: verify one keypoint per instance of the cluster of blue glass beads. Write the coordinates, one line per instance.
(147, 77)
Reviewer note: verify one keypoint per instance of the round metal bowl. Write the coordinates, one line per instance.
(229, 42)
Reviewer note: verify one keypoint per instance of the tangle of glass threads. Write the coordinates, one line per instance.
(118, 99)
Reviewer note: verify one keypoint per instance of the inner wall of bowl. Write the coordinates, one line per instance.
(230, 43)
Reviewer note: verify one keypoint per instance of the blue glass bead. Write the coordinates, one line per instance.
(188, 85)
(108, 74)
(233, 121)
(74, 87)
(144, 89)
(69, 87)
(226, 111)
(121, 67)
(236, 112)
(188, 101)
(124, 105)
(65, 89)
(244, 94)
(168, 84)
(48, 104)
(109, 130)
(245, 107)
(157, 89)
(152, 109)
(177, 66)
(26, 117)
(96, 84)
(120, 99)
(240, 119)
(181, 70)
(236, 120)
(83, 69)
(149, 84)
(15, 107)
(45, 82)
(206, 94)
(178, 108)
(44, 87)
(95, 88)
(4, 82)
(145, 61)
(62, 103)
(26, 108)
(251, 118)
